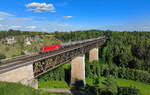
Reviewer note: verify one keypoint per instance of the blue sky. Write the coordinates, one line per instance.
(71, 15)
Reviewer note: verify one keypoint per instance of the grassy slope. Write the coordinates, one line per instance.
(144, 88)
(15, 50)
(53, 84)
(18, 89)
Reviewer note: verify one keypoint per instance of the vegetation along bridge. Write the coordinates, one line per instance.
(26, 69)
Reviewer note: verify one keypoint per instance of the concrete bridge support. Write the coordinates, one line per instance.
(22, 75)
(78, 71)
(93, 55)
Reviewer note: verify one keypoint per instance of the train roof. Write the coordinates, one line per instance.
(49, 46)
(77, 42)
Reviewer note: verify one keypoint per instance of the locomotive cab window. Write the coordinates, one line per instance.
(41, 48)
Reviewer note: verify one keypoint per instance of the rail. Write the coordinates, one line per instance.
(25, 60)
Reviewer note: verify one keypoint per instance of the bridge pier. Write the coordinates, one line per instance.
(93, 55)
(22, 75)
(78, 71)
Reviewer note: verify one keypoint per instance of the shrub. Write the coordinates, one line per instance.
(111, 85)
(120, 91)
(125, 73)
(22, 53)
(128, 91)
(100, 91)
(2, 56)
(92, 69)
(57, 74)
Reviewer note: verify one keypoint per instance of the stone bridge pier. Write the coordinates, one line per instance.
(78, 71)
(22, 75)
(78, 68)
(94, 56)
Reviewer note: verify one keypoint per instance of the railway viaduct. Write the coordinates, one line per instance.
(25, 69)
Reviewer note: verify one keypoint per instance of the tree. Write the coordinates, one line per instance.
(111, 85)
(2, 56)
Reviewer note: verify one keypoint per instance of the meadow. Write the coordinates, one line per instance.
(19, 89)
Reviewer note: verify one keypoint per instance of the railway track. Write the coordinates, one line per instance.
(36, 57)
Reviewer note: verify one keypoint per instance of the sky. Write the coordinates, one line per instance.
(72, 15)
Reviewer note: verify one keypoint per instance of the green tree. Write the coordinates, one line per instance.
(2, 56)
(111, 85)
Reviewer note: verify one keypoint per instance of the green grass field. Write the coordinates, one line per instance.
(53, 84)
(19, 89)
(144, 88)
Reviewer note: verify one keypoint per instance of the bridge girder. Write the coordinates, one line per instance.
(47, 64)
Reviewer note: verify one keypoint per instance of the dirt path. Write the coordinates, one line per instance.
(73, 92)
(57, 90)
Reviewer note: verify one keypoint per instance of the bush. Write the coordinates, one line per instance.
(111, 86)
(120, 91)
(2, 56)
(100, 91)
(125, 73)
(128, 91)
(22, 53)
(92, 69)
(57, 74)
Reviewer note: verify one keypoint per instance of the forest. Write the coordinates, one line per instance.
(125, 49)
(125, 55)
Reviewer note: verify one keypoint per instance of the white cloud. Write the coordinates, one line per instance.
(45, 25)
(5, 14)
(5, 27)
(41, 7)
(31, 27)
(15, 26)
(67, 17)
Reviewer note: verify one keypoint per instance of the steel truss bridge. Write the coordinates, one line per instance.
(43, 63)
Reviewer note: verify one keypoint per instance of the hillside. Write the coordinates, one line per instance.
(19, 89)
(22, 43)
(125, 58)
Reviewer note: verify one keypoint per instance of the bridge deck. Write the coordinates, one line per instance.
(22, 61)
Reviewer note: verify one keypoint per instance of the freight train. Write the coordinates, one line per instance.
(46, 49)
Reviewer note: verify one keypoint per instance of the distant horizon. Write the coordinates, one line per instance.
(73, 15)
(72, 31)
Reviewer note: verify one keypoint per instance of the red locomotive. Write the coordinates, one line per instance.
(45, 49)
